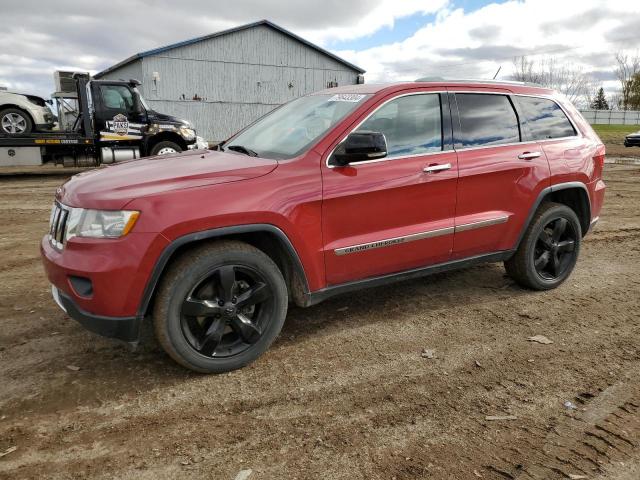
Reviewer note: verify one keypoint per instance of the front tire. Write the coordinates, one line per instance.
(15, 122)
(549, 250)
(165, 148)
(220, 307)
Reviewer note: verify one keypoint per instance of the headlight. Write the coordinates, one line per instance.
(187, 133)
(100, 223)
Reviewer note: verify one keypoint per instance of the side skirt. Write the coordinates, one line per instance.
(320, 295)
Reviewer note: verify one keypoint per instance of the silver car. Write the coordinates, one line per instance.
(21, 114)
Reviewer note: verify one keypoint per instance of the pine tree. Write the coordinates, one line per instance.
(600, 101)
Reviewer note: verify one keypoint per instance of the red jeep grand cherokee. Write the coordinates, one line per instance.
(347, 188)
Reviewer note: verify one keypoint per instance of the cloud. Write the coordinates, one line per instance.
(80, 35)
(475, 44)
(39, 37)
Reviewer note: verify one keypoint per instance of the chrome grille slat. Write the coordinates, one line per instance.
(54, 223)
(62, 221)
(58, 225)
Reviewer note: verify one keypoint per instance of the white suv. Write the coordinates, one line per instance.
(21, 114)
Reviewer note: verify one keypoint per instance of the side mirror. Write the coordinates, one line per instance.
(359, 147)
(137, 104)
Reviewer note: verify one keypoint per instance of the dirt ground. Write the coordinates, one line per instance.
(344, 393)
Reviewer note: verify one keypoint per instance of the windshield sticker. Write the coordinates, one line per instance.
(347, 97)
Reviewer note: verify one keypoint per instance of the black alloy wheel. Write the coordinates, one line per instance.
(549, 248)
(227, 311)
(555, 249)
(220, 306)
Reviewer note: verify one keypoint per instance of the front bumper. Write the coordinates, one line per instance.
(199, 144)
(122, 328)
(44, 127)
(101, 283)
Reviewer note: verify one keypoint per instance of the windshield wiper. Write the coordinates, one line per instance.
(242, 149)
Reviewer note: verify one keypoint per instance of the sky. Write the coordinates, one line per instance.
(391, 39)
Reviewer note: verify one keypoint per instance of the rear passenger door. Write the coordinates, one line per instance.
(500, 171)
(547, 123)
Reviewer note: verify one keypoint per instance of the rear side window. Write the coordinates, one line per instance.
(486, 119)
(545, 119)
(411, 124)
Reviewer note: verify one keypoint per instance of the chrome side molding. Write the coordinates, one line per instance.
(393, 241)
(420, 236)
(482, 223)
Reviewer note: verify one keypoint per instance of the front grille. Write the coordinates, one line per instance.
(57, 225)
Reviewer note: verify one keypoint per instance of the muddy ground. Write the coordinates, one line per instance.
(344, 393)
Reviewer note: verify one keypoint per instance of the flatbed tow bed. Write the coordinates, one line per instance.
(48, 138)
(113, 124)
(66, 148)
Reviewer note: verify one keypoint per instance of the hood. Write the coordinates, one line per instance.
(154, 116)
(114, 186)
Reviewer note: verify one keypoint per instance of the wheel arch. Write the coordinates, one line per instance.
(6, 106)
(268, 238)
(164, 137)
(575, 195)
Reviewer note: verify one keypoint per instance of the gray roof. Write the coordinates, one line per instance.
(225, 32)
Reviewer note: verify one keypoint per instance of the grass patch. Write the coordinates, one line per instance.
(613, 138)
(615, 129)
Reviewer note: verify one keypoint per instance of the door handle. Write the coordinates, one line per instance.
(436, 168)
(529, 155)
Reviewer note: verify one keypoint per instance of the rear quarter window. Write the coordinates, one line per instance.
(544, 118)
(486, 120)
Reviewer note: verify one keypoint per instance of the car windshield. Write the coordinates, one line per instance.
(291, 129)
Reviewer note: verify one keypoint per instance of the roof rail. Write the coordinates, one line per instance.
(466, 80)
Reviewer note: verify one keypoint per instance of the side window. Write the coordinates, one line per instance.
(411, 124)
(117, 97)
(486, 119)
(545, 118)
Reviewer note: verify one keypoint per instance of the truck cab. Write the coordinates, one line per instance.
(100, 121)
(121, 117)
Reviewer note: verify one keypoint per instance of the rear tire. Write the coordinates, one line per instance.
(549, 249)
(220, 306)
(165, 148)
(14, 121)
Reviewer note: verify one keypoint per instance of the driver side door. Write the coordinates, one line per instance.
(396, 213)
(115, 113)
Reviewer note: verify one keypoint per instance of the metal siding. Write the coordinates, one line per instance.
(127, 72)
(213, 121)
(239, 76)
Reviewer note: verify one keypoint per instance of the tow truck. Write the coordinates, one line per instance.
(112, 123)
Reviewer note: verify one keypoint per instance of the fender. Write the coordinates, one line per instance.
(546, 191)
(170, 249)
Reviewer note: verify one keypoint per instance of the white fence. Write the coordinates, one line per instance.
(612, 117)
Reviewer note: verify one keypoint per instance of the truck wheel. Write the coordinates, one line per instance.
(15, 122)
(549, 250)
(220, 307)
(163, 148)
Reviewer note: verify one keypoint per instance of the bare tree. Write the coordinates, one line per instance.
(524, 70)
(626, 71)
(552, 73)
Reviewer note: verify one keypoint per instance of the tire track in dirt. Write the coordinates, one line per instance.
(605, 430)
